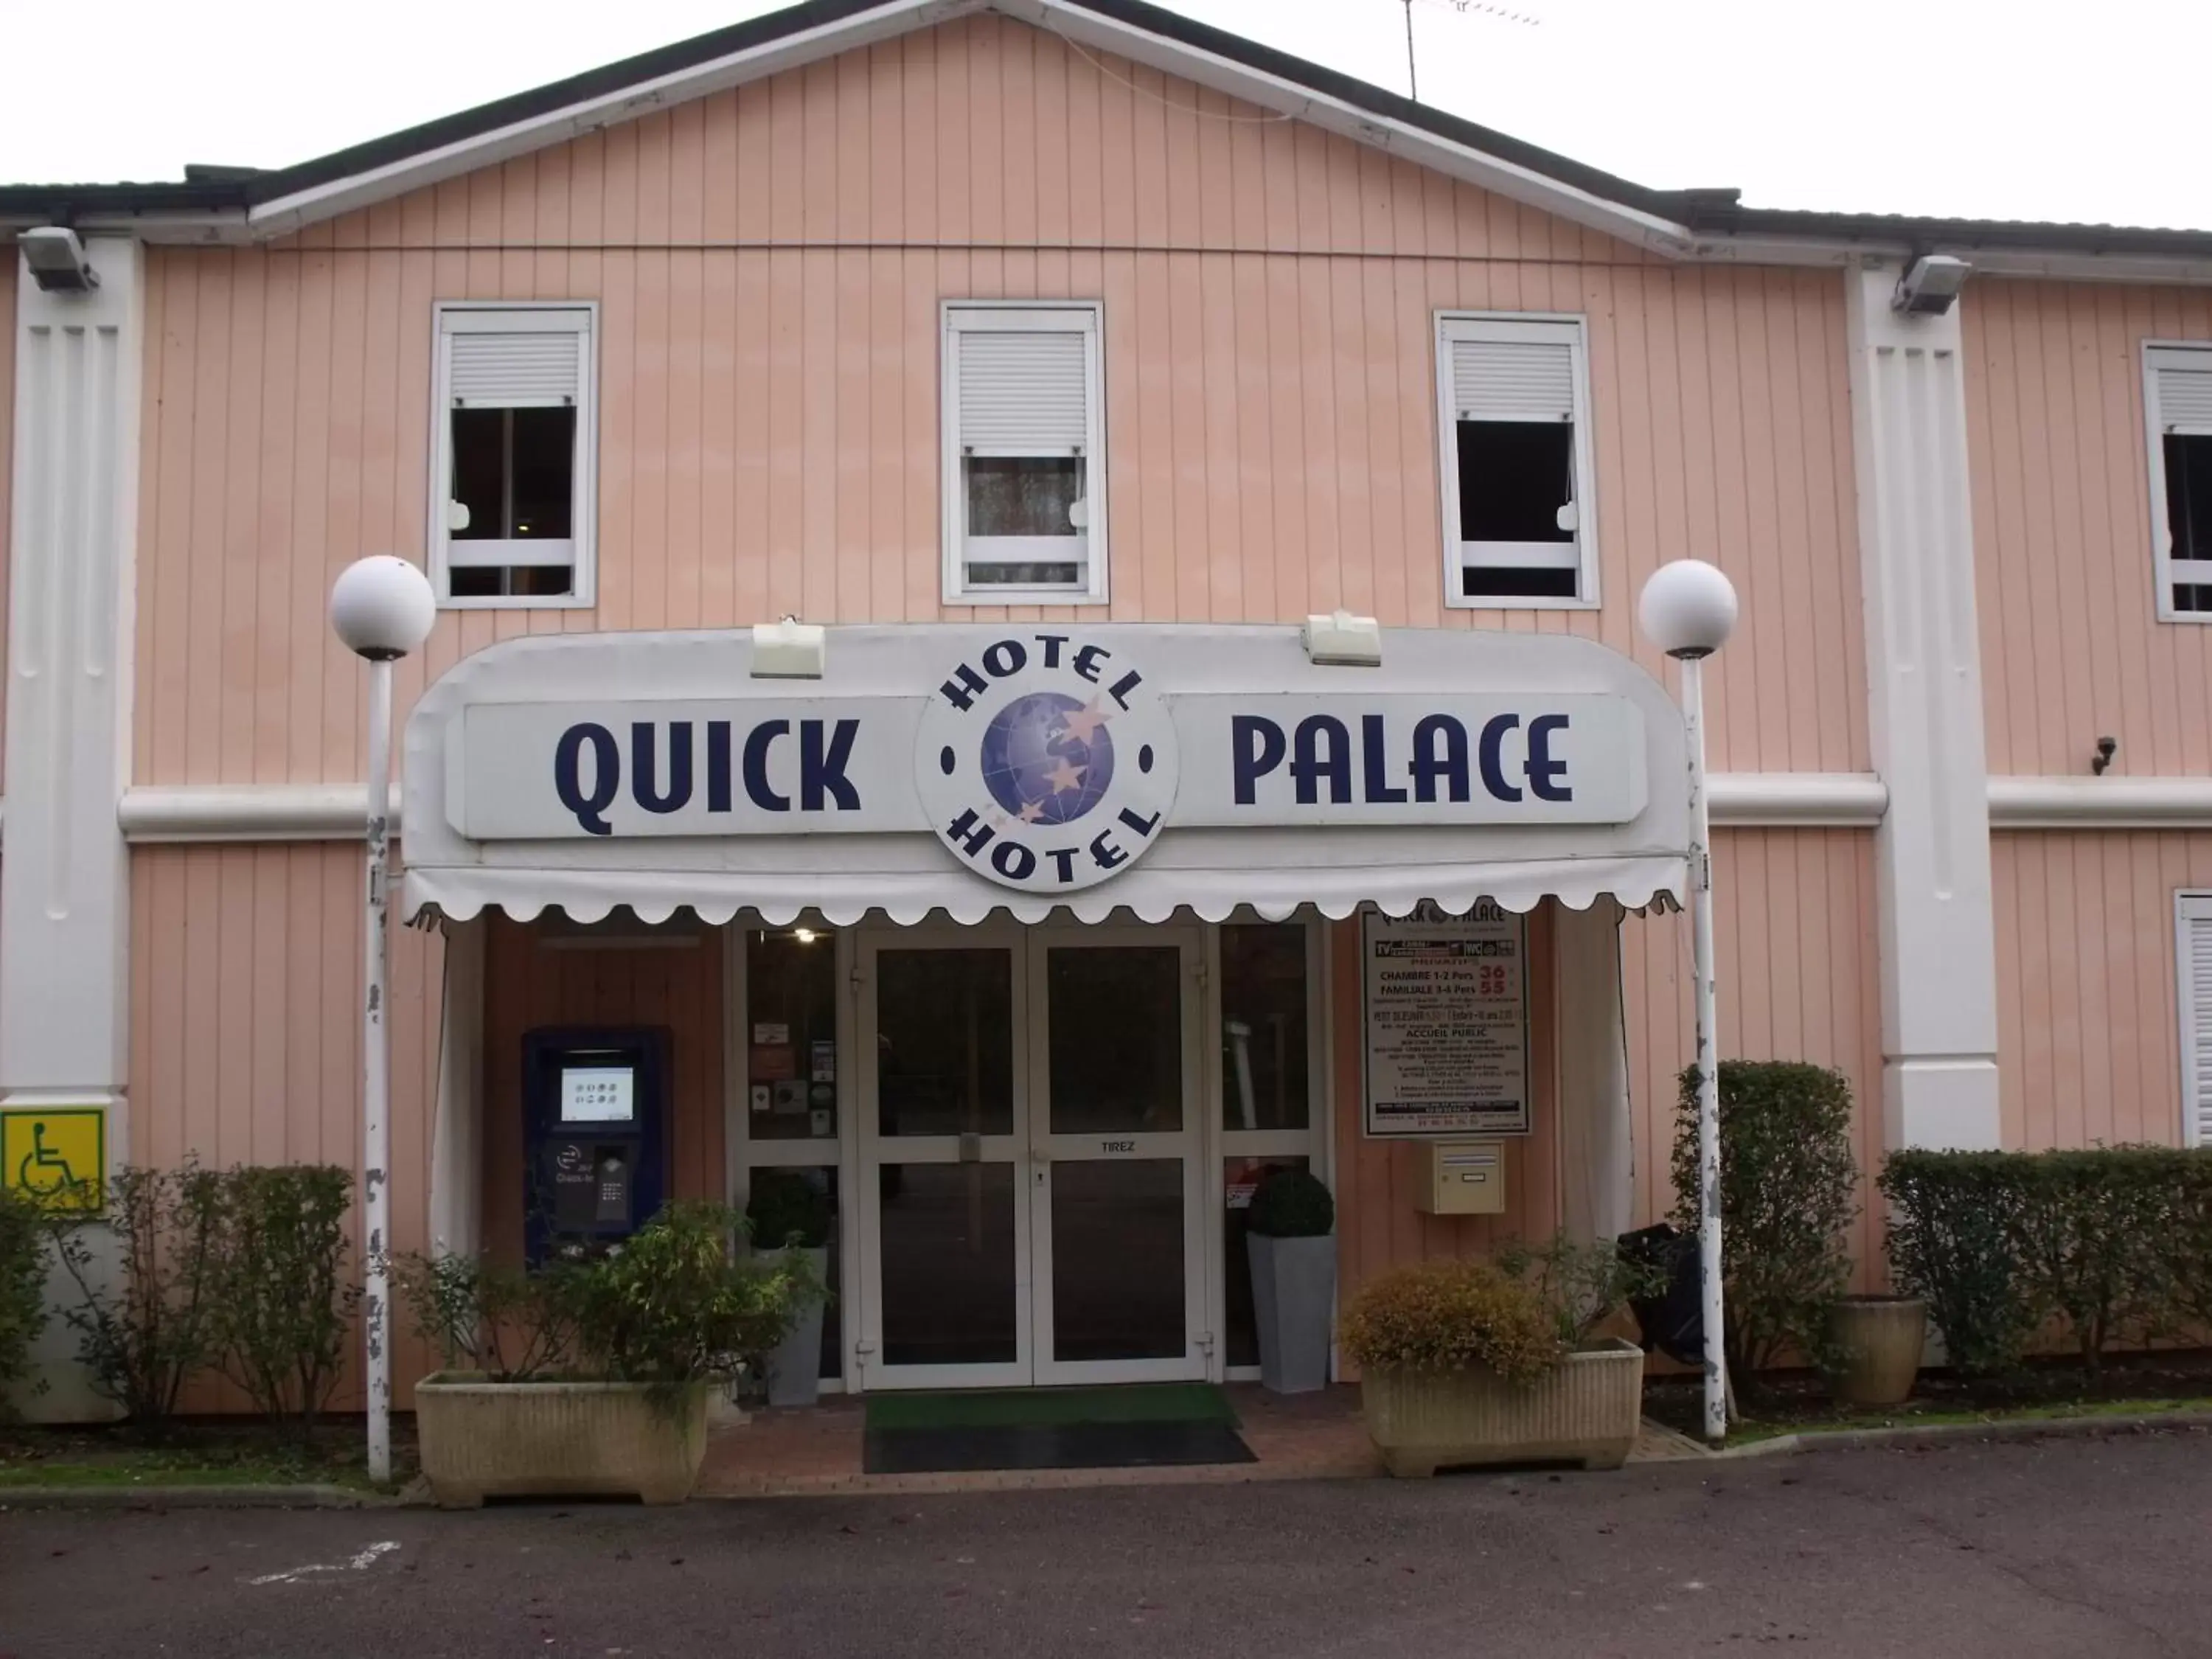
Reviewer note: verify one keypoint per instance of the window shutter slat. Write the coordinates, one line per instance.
(2197, 1041)
(2184, 395)
(1513, 381)
(516, 370)
(1023, 392)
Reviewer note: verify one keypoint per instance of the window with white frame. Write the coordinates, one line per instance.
(2192, 924)
(1513, 403)
(511, 502)
(1024, 454)
(2178, 393)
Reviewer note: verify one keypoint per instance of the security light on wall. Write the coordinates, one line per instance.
(1929, 285)
(1343, 640)
(55, 256)
(789, 650)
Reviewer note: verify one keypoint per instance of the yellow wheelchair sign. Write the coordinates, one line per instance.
(57, 1157)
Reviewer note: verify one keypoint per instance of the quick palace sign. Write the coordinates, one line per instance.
(1043, 758)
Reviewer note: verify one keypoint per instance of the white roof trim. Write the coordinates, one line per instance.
(286, 214)
(1456, 161)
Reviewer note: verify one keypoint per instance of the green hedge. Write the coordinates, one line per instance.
(1788, 1194)
(2114, 1243)
(22, 1288)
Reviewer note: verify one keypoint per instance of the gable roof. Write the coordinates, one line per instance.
(248, 205)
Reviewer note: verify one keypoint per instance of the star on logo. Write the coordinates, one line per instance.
(1065, 775)
(1032, 811)
(1082, 725)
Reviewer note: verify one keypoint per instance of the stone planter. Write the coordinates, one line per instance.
(482, 1439)
(795, 1369)
(1585, 1410)
(1880, 1339)
(1293, 1297)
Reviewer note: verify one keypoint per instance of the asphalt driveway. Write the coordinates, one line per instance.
(2095, 1546)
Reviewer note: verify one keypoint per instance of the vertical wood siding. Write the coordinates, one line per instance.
(2072, 649)
(1799, 969)
(245, 1029)
(769, 263)
(2089, 1038)
(527, 985)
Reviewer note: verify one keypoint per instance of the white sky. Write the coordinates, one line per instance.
(1979, 108)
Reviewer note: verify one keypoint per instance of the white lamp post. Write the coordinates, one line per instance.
(1688, 609)
(382, 608)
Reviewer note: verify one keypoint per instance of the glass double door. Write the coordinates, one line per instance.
(1029, 1144)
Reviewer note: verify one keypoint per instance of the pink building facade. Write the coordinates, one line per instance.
(945, 328)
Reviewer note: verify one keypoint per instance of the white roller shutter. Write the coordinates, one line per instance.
(1513, 379)
(2181, 389)
(2193, 931)
(1025, 391)
(522, 359)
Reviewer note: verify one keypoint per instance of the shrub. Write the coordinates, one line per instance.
(1450, 1316)
(2089, 1232)
(281, 1308)
(2188, 1246)
(23, 1283)
(2115, 1242)
(510, 1325)
(1953, 1220)
(786, 1209)
(1578, 1283)
(1293, 1203)
(146, 1329)
(1789, 1190)
(672, 1306)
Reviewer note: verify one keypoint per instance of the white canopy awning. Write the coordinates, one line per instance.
(1035, 768)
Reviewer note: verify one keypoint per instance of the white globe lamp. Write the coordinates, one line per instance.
(381, 608)
(1688, 609)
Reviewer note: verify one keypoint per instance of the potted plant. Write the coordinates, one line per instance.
(1472, 1361)
(590, 1375)
(1874, 1345)
(1288, 1233)
(791, 1217)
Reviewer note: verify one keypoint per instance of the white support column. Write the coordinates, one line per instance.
(64, 882)
(1924, 697)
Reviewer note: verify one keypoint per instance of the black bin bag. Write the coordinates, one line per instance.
(1674, 1321)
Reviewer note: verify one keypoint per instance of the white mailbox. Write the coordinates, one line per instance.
(1465, 1177)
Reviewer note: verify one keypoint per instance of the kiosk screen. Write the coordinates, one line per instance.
(598, 1094)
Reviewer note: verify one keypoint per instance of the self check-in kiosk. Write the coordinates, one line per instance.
(595, 1128)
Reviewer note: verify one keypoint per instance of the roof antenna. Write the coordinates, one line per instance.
(1464, 8)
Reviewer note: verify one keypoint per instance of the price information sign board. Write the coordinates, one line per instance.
(1446, 1006)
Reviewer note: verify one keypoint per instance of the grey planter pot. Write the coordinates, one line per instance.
(1293, 1300)
(795, 1369)
(1880, 1339)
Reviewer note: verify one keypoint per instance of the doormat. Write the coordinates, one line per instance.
(1006, 1408)
(1136, 1427)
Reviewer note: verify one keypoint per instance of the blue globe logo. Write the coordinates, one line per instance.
(1046, 759)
